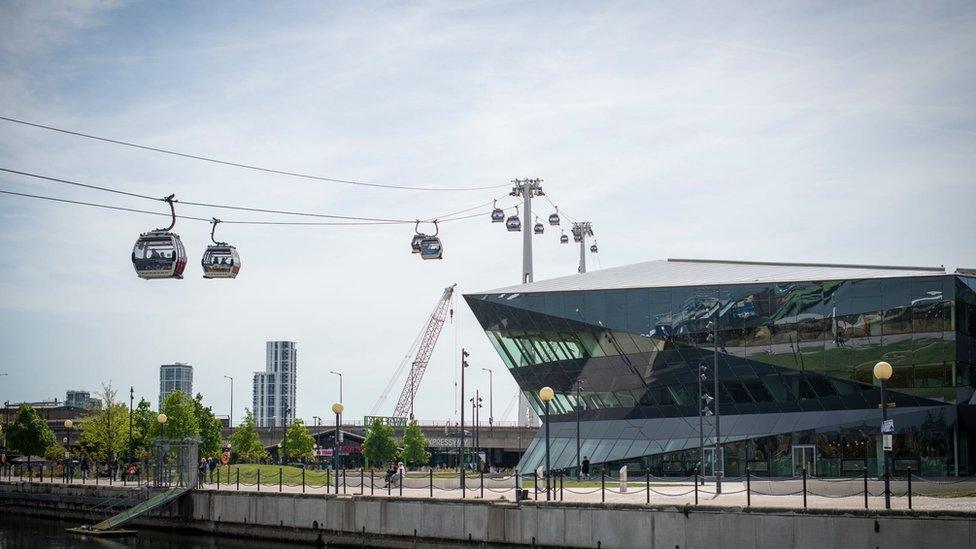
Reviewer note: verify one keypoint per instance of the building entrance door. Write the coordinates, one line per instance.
(805, 456)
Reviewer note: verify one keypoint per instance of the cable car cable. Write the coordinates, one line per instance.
(239, 208)
(246, 166)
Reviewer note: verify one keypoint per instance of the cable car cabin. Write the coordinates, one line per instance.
(554, 219)
(159, 254)
(497, 215)
(563, 239)
(415, 243)
(594, 249)
(431, 248)
(220, 261)
(577, 237)
(539, 228)
(513, 224)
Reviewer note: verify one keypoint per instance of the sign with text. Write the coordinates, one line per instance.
(395, 422)
(888, 426)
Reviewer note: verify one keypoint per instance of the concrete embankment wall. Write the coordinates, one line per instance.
(382, 522)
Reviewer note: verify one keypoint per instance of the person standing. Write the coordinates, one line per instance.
(585, 468)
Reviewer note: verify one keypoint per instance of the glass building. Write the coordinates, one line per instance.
(273, 393)
(795, 345)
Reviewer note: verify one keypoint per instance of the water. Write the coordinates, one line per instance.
(21, 531)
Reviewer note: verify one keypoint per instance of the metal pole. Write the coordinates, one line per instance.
(719, 462)
(132, 393)
(491, 400)
(230, 418)
(701, 423)
(884, 417)
(582, 261)
(547, 451)
(578, 382)
(464, 364)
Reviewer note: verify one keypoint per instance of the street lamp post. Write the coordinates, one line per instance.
(337, 409)
(230, 418)
(464, 365)
(278, 446)
(882, 372)
(719, 465)
(340, 382)
(68, 424)
(546, 394)
(491, 400)
(579, 386)
(161, 420)
(132, 396)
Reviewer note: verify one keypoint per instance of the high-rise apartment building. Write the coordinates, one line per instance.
(274, 388)
(175, 376)
(81, 400)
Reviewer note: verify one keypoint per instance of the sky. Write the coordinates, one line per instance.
(818, 132)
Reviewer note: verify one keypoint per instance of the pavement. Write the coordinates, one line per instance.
(821, 493)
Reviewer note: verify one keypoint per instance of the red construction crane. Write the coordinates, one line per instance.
(424, 345)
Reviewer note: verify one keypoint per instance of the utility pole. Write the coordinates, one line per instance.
(491, 401)
(579, 383)
(464, 364)
(581, 230)
(719, 459)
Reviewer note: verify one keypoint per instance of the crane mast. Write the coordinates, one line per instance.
(404, 407)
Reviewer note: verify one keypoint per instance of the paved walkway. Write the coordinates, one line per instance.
(833, 494)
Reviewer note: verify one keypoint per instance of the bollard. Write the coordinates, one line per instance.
(279, 479)
(648, 485)
(344, 483)
(403, 479)
(372, 481)
(482, 484)
(259, 480)
(218, 478)
(909, 488)
(362, 480)
(389, 486)
(748, 487)
(865, 487)
(238, 479)
(431, 482)
(561, 475)
(696, 486)
(328, 481)
(535, 478)
(303, 480)
(603, 486)
(804, 469)
(518, 485)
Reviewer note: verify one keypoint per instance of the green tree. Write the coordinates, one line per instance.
(105, 434)
(298, 443)
(181, 417)
(144, 429)
(415, 445)
(245, 442)
(29, 434)
(54, 453)
(379, 447)
(209, 428)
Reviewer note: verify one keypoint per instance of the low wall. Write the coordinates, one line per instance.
(384, 522)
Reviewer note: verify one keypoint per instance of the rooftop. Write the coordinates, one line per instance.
(704, 272)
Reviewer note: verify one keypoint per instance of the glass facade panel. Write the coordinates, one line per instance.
(790, 354)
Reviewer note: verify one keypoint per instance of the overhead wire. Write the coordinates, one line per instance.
(245, 166)
(376, 220)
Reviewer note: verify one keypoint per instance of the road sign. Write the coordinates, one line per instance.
(887, 442)
(888, 426)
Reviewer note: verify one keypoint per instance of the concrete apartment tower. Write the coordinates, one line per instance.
(274, 388)
(175, 376)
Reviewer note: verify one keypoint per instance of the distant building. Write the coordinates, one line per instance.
(274, 388)
(175, 376)
(81, 400)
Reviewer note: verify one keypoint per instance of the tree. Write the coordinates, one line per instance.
(415, 445)
(29, 434)
(105, 434)
(379, 446)
(298, 441)
(209, 427)
(245, 442)
(181, 417)
(144, 429)
(54, 453)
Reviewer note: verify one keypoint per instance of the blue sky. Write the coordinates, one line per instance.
(822, 132)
